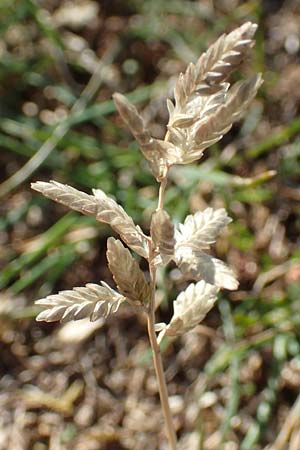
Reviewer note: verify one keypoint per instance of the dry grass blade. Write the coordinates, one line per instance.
(104, 208)
(162, 234)
(128, 276)
(91, 301)
(190, 307)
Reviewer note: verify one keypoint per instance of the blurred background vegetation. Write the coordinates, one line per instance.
(234, 382)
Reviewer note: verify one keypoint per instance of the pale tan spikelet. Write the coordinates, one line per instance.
(126, 272)
(196, 108)
(197, 265)
(100, 205)
(215, 65)
(213, 128)
(201, 229)
(68, 196)
(213, 117)
(91, 301)
(162, 233)
(190, 308)
(197, 233)
(112, 213)
(132, 119)
(158, 153)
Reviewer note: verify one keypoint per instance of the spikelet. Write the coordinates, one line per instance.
(113, 214)
(100, 205)
(211, 127)
(162, 234)
(128, 277)
(197, 233)
(158, 153)
(201, 229)
(68, 196)
(190, 308)
(91, 301)
(203, 99)
(214, 66)
(197, 265)
(237, 101)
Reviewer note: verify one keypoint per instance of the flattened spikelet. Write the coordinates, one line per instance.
(190, 308)
(100, 205)
(91, 301)
(197, 265)
(214, 66)
(128, 277)
(162, 233)
(197, 233)
(216, 125)
(113, 214)
(201, 229)
(210, 126)
(68, 196)
(204, 108)
(157, 152)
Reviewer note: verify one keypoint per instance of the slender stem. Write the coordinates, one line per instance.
(162, 386)
(161, 193)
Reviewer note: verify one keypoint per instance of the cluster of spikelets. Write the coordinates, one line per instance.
(204, 109)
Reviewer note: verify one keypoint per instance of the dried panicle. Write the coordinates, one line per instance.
(157, 152)
(204, 107)
(128, 277)
(190, 308)
(162, 234)
(92, 301)
(104, 208)
(197, 233)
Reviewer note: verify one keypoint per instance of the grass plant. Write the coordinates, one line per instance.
(204, 109)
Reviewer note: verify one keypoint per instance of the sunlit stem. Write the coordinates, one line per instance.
(161, 380)
(162, 386)
(161, 194)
